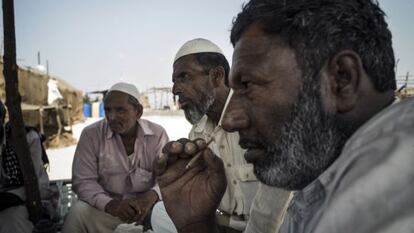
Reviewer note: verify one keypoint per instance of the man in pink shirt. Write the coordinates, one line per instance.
(112, 167)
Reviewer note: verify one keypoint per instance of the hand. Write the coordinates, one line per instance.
(191, 196)
(123, 209)
(143, 204)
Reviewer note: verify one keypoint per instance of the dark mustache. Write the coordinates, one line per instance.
(248, 142)
(183, 99)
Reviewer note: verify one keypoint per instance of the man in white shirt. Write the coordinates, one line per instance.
(200, 71)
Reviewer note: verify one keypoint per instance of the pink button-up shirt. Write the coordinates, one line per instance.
(103, 171)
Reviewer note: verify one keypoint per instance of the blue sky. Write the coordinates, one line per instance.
(95, 43)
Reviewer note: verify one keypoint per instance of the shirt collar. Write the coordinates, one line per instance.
(225, 106)
(341, 162)
(142, 127)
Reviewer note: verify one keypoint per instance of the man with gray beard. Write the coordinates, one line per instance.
(199, 73)
(315, 109)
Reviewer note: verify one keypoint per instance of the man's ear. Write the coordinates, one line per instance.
(140, 110)
(217, 75)
(345, 72)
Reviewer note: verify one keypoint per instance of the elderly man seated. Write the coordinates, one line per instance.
(112, 167)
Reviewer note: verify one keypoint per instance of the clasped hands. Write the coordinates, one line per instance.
(132, 209)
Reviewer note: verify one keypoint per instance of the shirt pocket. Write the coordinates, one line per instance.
(112, 175)
(141, 180)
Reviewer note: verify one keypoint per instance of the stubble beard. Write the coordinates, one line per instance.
(196, 110)
(309, 143)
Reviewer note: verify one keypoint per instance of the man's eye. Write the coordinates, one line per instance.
(186, 77)
(247, 84)
(182, 78)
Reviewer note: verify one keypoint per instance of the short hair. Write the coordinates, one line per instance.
(212, 60)
(317, 29)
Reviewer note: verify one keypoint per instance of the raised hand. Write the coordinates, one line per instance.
(191, 196)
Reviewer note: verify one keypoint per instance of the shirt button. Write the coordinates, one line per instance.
(234, 182)
(229, 165)
(221, 147)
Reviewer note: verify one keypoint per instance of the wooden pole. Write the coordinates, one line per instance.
(13, 101)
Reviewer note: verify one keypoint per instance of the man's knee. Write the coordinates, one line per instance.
(84, 218)
(74, 219)
(79, 210)
(15, 219)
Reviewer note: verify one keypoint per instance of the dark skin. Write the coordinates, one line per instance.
(122, 118)
(196, 192)
(261, 79)
(191, 82)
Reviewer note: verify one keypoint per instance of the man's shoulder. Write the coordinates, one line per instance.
(152, 126)
(373, 175)
(397, 116)
(95, 128)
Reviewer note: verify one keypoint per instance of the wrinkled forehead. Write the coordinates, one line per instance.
(256, 43)
(186, 64)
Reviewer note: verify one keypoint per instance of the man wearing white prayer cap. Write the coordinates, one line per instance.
(199, 73)
(112, 167)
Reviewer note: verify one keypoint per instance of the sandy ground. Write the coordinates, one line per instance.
(61, 159)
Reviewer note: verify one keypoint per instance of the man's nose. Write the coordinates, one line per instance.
(176, 89)
(109, 115)
(235, 117)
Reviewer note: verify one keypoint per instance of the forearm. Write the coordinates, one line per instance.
(92, 193)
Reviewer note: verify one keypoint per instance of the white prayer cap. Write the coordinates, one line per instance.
(126, 88)
(198, 45)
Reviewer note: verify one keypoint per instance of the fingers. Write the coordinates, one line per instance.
(167, 165)
(201, 144)
(140, 211)
(127, 212)
(168, 156)
(141, 217)
(189, 148)
(160, 164)
(173, 147)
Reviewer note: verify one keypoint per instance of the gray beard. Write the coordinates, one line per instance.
(195, 111)
(309, 143)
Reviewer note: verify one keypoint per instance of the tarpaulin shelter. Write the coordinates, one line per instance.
(37, 112)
